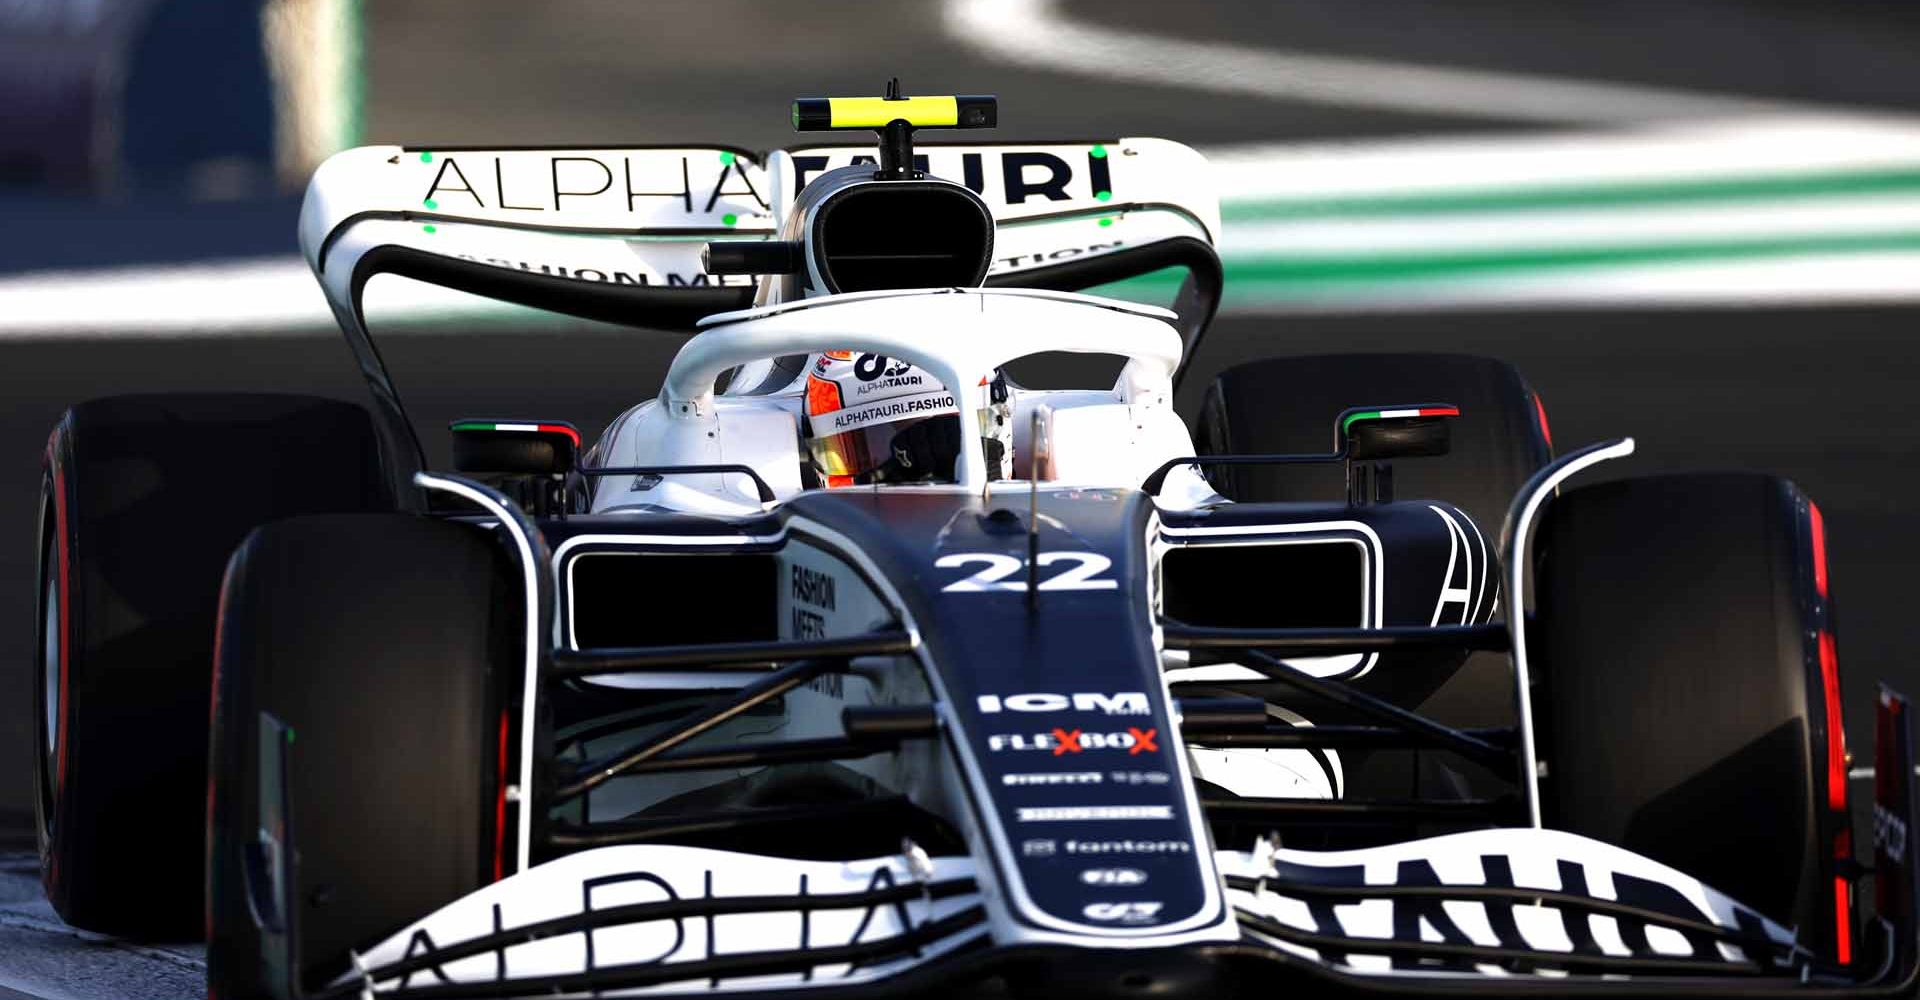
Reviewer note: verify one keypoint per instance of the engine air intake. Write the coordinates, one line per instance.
(902, 234)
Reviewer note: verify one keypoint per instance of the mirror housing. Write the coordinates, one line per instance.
(1400, 432)
(514, 448)
(1371, 437)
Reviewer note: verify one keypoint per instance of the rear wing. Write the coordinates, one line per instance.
(635, 219)
(616, 233)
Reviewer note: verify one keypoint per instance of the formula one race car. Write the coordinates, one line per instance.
(851, 663)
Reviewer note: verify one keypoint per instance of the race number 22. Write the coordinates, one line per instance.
(1081, 571)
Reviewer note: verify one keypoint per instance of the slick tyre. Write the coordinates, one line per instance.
(376, 641)
(1288, 405)
(142, 499)
(1686, 688)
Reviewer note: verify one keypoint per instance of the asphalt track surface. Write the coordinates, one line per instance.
(1819, 395)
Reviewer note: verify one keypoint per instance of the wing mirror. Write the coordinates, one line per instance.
(1371, 438)
(515, 447)
(1403, 432)
(530, 460)
(1366, 438)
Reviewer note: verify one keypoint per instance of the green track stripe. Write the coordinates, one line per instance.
(1424, 266)
(1270, 273)
(1818, 185)
(354, 70)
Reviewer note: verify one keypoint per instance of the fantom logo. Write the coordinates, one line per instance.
(1121, 703)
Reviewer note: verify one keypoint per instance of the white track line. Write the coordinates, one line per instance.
(271, 295)
(1691, 151)
(1535, 230)
(1034, 33)
(1787, 282)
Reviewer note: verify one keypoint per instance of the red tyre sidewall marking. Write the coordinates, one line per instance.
(62, 566)
(1836, 749)
(500, 804)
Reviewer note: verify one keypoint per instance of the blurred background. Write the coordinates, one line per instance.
(1694, 221)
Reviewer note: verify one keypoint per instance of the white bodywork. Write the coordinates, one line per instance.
(615, 876)
(960, 337)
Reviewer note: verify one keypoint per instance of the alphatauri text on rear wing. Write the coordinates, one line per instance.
(636, 218)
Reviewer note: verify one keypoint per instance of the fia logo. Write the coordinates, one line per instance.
(1113, 877)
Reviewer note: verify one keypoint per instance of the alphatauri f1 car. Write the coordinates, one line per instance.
(856, 662)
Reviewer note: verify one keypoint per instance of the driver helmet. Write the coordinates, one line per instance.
(875, 419)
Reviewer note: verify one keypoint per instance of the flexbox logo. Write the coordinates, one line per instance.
(1121, 703)
(1065, 741)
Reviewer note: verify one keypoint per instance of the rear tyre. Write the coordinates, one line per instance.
(1687, 693)
(142, 500)
(375, 639)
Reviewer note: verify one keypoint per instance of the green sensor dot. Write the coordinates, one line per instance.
(729, 219)
(426, 157)
(428, 229)
(431, 204)
(1103, 195)
(726, 159)
(1099, 152)
(1106, 222)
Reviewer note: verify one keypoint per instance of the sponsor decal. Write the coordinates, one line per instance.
(812, 593)
(1061, 778)
(634, 182)
(925, 404)
(1112, 877)
(810, 586)
(1889, 833)
(901, 382)
(1039, 848)
(871, 367)
(818, 596)
(1122, 703)
(613, 275)
(1019, 261)
(1065, 741)
(1007, 176)
(1122, 913)
(1061, 814)
(1426, 917)
(1128, 847)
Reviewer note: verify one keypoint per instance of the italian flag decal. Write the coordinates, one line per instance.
(505, 428)
(1424, 411)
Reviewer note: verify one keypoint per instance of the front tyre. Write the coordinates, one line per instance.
(379, 641)
(1687, 690)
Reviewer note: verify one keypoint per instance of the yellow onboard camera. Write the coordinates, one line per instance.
(895, 117)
